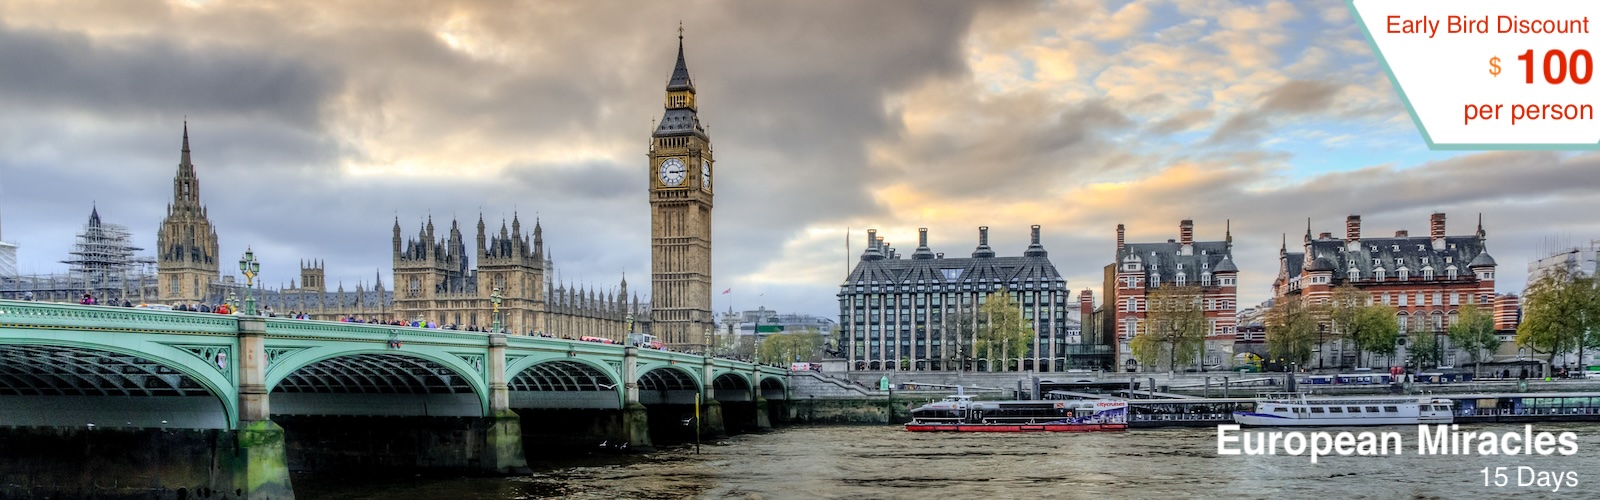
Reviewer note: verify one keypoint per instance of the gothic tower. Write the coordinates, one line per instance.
(187, 244)
(680, 217)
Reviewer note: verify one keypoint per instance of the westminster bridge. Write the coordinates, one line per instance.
(108, 402)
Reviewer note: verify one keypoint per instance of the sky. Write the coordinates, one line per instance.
(316, 125)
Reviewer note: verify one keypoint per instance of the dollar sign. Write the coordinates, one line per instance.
(1494, 66)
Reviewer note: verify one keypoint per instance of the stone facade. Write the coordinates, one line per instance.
(922, 313)
(680, 173)
(186, 245)
(435, 281)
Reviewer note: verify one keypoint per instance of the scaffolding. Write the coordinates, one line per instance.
(102, 263)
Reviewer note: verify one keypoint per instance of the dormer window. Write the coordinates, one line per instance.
(1181, 279)
(1205, 278)
(1427, 273)
(1403, 273)
(1450, 272)
(1355, 274)
(1378, 274)
(1155, 281)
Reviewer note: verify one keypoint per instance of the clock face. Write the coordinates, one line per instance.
(672, 172)
(705, 174)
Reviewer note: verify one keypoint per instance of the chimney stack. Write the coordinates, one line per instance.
(983, 251)
(922, 251)
(1035, 249)
(1352, 228)
(872, 238)
(1120, 233)
(1436, 230)
(1325, 236)
(1186, 232)
(1402, 233)
(1085, 306)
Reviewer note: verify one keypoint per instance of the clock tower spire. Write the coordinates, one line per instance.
(680, 189)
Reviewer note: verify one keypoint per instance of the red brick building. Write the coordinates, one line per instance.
(1140, 267)
(1425, 278)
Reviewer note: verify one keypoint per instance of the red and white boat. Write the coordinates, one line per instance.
(960, 413)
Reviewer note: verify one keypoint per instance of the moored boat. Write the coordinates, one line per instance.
(962, 414)
(1278, 410)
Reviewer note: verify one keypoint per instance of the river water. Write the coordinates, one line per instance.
(887, 462)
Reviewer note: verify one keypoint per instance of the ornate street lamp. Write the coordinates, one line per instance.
(250, 268)
(494, 298)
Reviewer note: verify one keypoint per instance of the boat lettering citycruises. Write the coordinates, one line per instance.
(1295, 409)
(962, 414)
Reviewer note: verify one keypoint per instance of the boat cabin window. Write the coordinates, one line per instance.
(1441, 408)
(1280, 409)
(1354, 409)
(1315, 409)
(1391, 409)
(1335, 409)
(1372, 409)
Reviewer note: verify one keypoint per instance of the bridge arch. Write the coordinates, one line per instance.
(774, 388)
(36, 373)
(565, 383)
(341, 380)
(731, 386)
(668, 384)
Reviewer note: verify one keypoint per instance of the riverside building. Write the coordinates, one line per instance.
(1425, 278)
(1142, 267)
(921, 313)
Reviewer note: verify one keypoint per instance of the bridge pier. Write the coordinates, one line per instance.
(503, 433)
(263, 471)
(635, 417)
(710, 409)
(763, 419)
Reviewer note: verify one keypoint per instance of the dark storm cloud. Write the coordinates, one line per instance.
(135, 76)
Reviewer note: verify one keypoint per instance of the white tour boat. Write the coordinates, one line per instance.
(1274, 410)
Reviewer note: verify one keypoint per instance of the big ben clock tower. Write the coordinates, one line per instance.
(680, 218)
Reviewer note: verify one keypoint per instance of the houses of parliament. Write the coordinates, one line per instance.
(439, 279)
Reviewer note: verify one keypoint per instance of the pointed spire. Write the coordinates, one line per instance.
(680, 73)
(94, 215)
(184, 161)
(1227, 232)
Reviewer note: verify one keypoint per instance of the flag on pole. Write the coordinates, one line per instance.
(725, 292)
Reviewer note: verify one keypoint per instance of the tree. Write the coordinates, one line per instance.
(1473, 330)
(1003, 332)
(1345, 307)
(1147, 348)
(1177, 320)
(1424, 351)
(784, 348)
(1291, 330)
(1560, 311)
(1376, 330)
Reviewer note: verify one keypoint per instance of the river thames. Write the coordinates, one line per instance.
(887, 462)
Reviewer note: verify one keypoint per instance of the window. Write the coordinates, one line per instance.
(1316, 409)
(1205, 278)
(1378, 274)
(1391, 409)
(1353, 409)
(1403, 273)
(1335, 409)
(1372, 409)
(172, 285)
(1355, 274)
(1181, 279)
(1427, 273)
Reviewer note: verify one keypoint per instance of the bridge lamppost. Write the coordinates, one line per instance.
(707, 336)
(250, 268)
(494, 298)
